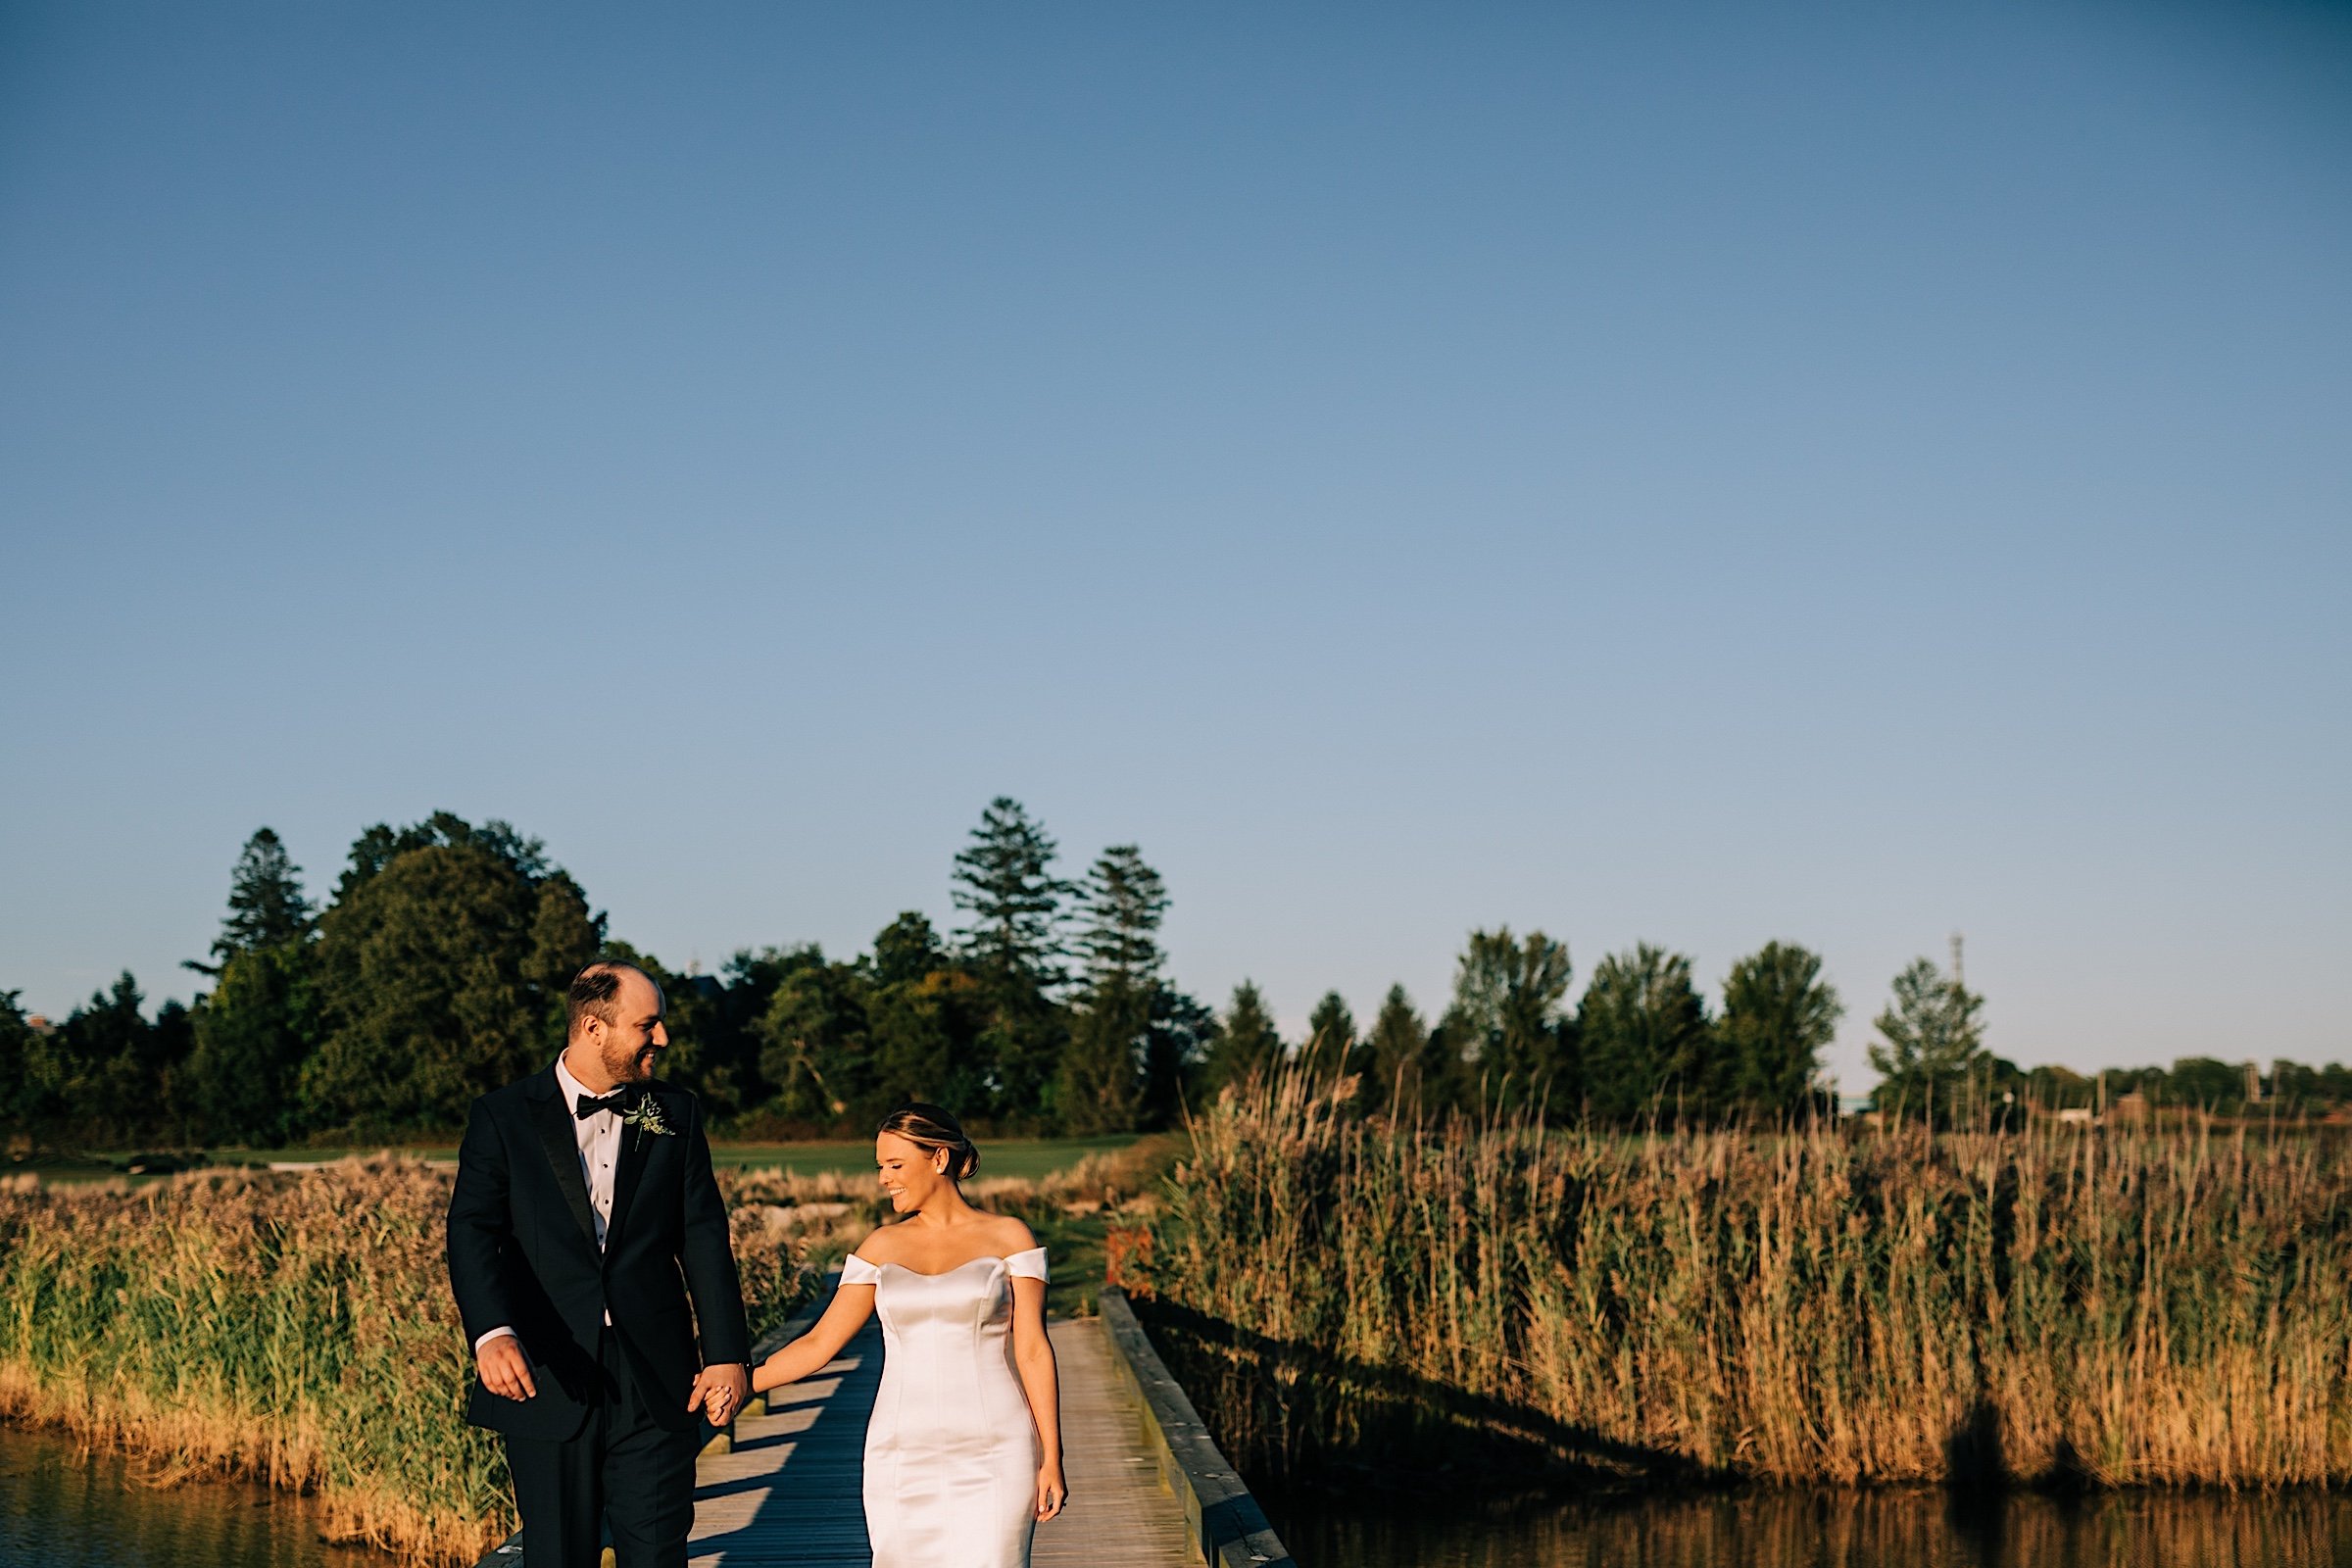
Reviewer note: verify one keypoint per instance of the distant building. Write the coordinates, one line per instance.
(2075, 1116)
(2133, 1106)
(39, 1024)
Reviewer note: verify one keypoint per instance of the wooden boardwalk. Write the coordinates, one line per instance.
(783, 1489)
(787, 1495)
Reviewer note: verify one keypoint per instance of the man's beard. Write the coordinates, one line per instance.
(633, 1068)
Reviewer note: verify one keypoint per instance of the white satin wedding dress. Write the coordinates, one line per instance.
(951, 1453)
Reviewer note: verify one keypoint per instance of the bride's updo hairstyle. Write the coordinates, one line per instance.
(930, 1127)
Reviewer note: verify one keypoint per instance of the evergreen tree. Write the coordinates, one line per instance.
(17, 1045)
(1102, 1083)
(1183, 1032)
(1005, 881)
(1123, 901)
(907, 950)
(1932, 1041)
(171, 1040)
(1330, 1051)
(1647, 1043)
(1397, 1054)
(1778, 1015)
(252, 1035)
(1248, 1045)
(107, 1070)
(265, 906)
(1506, 1023)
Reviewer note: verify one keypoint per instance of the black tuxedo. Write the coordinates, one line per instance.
(522, 1252)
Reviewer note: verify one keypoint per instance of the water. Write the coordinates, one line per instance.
(63, 1508)
(1896, 1528)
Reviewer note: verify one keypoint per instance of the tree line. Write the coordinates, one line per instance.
(437, 967)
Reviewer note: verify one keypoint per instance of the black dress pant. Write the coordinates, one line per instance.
(621, 1468)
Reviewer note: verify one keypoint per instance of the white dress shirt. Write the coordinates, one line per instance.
(599, 1141)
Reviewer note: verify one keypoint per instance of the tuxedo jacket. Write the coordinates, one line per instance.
(522, 1252)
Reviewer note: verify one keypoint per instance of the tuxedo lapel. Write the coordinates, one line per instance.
(553, 1121)
(636, 1147)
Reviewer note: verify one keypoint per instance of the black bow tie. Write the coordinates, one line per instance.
(618, 1103)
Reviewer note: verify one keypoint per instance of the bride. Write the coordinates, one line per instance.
(963, 1451)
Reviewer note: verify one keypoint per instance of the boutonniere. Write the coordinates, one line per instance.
(646, 1116)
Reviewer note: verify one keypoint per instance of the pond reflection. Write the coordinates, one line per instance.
(63, 1508)
(1914, 1529)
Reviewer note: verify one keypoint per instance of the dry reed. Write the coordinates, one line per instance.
(296, 1328)
(1842, 1305)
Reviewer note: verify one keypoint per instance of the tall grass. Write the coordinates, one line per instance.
(296, 1328)
(1841, 1305)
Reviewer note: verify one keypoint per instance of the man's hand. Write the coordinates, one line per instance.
(719, 1392)
(502, 1370)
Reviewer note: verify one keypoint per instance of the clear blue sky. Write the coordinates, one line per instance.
(1685, 473)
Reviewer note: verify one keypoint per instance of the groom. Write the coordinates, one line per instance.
(583, 1196)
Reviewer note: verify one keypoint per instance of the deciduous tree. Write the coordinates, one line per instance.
(1778, 1016)
(1647, 1048)
(443, 965)
(928, 1016)
(813, 1038)
(1932, 1040)
(1507, 1023)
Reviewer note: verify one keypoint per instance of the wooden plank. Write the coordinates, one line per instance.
(1118, 1512)
(1228, 1528)
(787, 1490)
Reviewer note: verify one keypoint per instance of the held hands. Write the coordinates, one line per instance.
(501, 1366)
(1051, 1491)
(719, 1392)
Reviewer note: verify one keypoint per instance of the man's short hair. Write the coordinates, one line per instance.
(596, 994)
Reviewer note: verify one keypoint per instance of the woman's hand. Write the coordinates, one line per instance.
(1051, 1492)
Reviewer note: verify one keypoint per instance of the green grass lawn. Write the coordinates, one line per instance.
(1029, 1157)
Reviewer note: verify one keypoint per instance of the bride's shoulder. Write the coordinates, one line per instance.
(1009, 1233)
(880, 1245)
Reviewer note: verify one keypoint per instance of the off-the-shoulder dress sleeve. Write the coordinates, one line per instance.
(1029, 1265)
(856, 1270)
